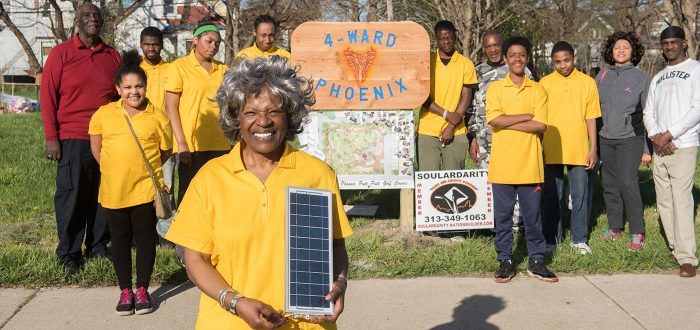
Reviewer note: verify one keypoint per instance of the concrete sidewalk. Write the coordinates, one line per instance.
(626, 301)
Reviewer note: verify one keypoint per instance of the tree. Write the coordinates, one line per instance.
(233, 23)
(288, 13)
(358, 10)
(685, 15)
(472, 17)
(113, 13)
(34, 66)
(57, 27)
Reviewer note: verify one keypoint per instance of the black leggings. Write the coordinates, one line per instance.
(138, 222)
(620, 174)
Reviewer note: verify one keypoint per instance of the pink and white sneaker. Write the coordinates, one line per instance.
(637, 242)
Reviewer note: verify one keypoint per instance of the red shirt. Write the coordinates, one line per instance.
(76, 81)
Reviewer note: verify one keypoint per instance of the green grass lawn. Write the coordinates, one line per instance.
(378, 248)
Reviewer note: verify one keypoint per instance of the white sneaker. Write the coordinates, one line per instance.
(582, 248)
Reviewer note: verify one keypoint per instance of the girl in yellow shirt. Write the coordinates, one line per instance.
(190, 85)
(126, 188)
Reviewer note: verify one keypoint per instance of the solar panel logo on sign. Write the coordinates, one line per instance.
(309, 251)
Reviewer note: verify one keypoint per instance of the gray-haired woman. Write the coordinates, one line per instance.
(232, 219)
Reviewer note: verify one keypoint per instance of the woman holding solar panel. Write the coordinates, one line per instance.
(232, 220)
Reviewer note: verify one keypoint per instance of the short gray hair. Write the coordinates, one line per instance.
(251, 76)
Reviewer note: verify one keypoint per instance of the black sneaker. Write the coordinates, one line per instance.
(98, 253)
(505, 272)
(537, 269)
(144, 301)
(125, 306)
(71, 265)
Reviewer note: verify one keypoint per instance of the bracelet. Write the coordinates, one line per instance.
(222, 296)
(233, 303)
(444, 114)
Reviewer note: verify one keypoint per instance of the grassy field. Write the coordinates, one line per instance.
(378, 249)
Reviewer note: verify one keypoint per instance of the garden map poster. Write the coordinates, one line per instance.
(367, 149)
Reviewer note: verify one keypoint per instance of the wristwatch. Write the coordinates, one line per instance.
(234, 302)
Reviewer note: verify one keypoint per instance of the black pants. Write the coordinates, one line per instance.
(78, 215)
(138, 222)
(185, 173)
(620, 178)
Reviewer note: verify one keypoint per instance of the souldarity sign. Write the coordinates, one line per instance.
(453, 200)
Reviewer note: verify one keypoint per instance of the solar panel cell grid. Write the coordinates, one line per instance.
(309, 251)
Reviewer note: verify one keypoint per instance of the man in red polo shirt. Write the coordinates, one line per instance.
(78, 78)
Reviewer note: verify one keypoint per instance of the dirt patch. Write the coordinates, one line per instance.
(391, 231)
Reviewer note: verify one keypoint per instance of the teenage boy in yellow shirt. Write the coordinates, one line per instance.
(516, 109)
(569, 142)
(156, 69)
(442, 136)
(264, 32)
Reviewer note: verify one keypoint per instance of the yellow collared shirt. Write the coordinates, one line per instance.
(570, 101)
(199, 112)
(516, 157)
(155, 90)
(254, 52)
(446, 82)
(124, 179)
(238, 220)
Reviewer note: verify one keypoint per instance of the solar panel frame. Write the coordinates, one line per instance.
(320, 281)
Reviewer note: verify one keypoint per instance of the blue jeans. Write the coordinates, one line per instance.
(580, 183)
(503, 201)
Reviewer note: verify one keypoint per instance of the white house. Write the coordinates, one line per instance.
(176, 18)
(35, 21)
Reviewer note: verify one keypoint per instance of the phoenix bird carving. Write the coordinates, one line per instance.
(360, 62)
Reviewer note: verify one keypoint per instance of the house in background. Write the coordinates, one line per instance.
(176, 18)
(35, 21)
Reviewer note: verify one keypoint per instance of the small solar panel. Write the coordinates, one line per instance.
(309, 239)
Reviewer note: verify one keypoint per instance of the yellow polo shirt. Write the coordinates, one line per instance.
(446, 82)
(254, 52)
(124, 179)
(570, 101)
(238, 220)
(155, 90)
(516, 157)
(199, 112)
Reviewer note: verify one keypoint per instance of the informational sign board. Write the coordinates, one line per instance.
(364, 65)
(367, 149)
(453, 200)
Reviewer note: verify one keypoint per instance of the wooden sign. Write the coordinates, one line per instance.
(364, 65)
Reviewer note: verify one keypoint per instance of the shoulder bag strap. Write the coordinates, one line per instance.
(143, 154)
(602, 76)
